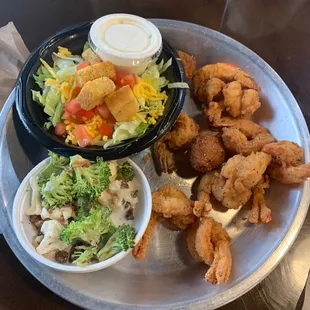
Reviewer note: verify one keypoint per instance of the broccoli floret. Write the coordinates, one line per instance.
(56, 163)
(58, 191)
(89, 228)
(83, 205)
(121, 240)
(83, 257)
(125, 172)
(93, 180)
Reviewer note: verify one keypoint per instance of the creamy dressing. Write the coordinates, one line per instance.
(62, 214)
(51, 230)
(125, 37)
(115, 197)
(35, 207)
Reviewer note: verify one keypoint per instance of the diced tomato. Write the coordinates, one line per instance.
(82, 136)
(84, 115)
(103, 110)
(82, 65)
(73, 106)
(106, 129)
(60, 129)
(66, 115)
(123, 80)
(79, 117)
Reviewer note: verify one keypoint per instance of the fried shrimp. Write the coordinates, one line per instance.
(139, 251)
(206, 152)
(164, 156)
(182, 221)
(170, 201)
(209, 90)
(189, 64)
(245, 137)
(286, 166)
(191, 240)
(260, 213)
(212, 245)
(182, 133)
(214, 114)
(285, 152)
(289, 174)
(202, 206)
(232, 187)
(239, 102)
(223, 71)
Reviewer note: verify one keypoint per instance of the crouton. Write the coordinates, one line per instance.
(93, 92)
(90, 73)
(91, 57)
(122, 104)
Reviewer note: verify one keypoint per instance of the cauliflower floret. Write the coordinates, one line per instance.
(51, 242)
(36, 207)
(60, 214)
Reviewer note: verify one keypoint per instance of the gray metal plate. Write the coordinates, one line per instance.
(167, 278)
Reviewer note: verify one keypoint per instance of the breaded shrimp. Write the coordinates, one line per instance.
(212, 245)
(189, 63)
(164, 156)
(203, 244)
(286, 166)
(260, 213)
(226, 72)
(238, 176)
(182, 221)
(239, 102)
(139, 251)
(182, 133)
(206, 92)
(206, 153)
(191, 241)
(170, 201)
(245, 137)
(202, 206)
(285, 152)
(289, 174)
(214, 114)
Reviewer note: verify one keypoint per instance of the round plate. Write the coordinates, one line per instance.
(167, 278)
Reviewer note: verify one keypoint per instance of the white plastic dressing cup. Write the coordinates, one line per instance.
(130, 42)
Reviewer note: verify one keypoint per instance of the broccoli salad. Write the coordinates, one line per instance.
(82, 211)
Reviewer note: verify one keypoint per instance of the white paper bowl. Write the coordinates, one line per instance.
(25, 231)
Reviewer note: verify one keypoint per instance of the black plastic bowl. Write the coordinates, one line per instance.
(33, 116)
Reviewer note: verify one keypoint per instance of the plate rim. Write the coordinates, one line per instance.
(271, 262)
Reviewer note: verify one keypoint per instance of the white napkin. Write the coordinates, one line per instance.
(13, 53)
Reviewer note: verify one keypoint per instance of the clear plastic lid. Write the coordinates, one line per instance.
(125, 40)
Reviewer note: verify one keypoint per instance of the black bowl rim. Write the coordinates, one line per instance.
(120, 151)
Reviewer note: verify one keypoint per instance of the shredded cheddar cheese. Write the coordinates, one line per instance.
(64, 52)
(48, 67)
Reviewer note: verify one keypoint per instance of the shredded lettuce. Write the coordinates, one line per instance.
(65, 67)
(126, 130)
(58, 113)
(153, 72)
(178, 85)
(41, 76)
(52, 99)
